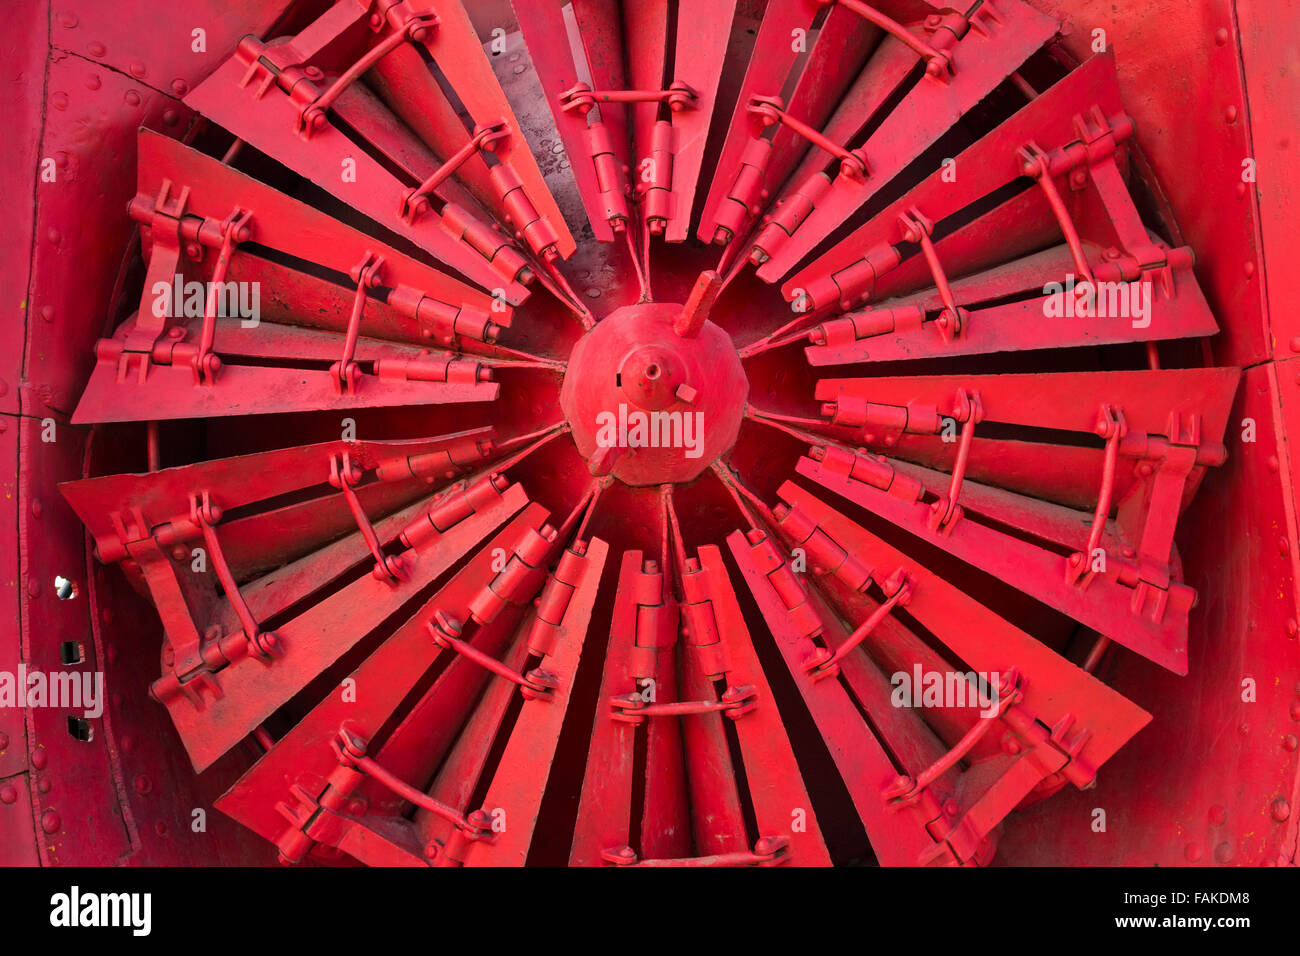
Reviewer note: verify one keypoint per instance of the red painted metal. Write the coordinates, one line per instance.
(374, 563)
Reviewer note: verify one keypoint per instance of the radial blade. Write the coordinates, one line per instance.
(558, 634)
(420, 302)
(268, 539)
(717, 815)
(1089, 721)
(701, 44)
(639, 663)
(1118, 283)
(242, 695)
(271, 341)
(1042, 316)
(163, 498)
(126, 386)
(1062, 467)
(267, 95)
(1050, 523)
(303, 758)
(596, 143)
(990, 164)
(292, 298)
(458, 776)
(497, 610)
(999, 38)
(722, 645)
(794, 616)
(1147, 397)
(750, 164)
(1054, 688)
(250, 548)
(508, 179)
(1140, 607)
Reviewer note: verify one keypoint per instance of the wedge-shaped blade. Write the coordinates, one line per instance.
(1002, 35)
(521, 776)
(304, 758)
(1007, 310)
(249, 95)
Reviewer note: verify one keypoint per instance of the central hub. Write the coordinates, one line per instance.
(648, 404)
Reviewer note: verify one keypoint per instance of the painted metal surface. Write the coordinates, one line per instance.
(418, 609)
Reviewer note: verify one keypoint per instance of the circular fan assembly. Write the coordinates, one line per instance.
(711, 434)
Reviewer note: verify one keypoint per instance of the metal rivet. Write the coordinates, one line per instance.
(51, 822)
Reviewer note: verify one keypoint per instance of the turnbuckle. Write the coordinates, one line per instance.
(735, 703)
(344, 475)
(905, 790)
(898, 591)
(945, 512)
(581, 97)
(415, 201)
(206, 514)
(768, 851)
(415, 29)
(918, 229)
(234, 229)
(938, 61)
(537, 684)
(770, 111)
(345, 373)
(1037, 164)
(1112, 427)
(350, 751)
(196, 670)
